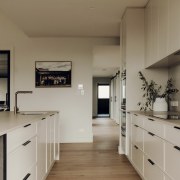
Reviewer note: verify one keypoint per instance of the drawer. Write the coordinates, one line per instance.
(21, 160)
(172, 161)
(137, 158)
(154, 148)
(31, 174)
(151, 170)
(20, 135)
(153, 126)
(137, 136)
(171, 134)
(138, 120)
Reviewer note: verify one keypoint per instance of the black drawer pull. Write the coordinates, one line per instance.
(152, 163)
(128, 112)
(26, 143)
(151, 134)
(27, 176)
(27, 125)
(136, 147)
(177, 127)
(135, 114)
(43, 118)
(123, 135)
(176, 147)
(136, 126)
(52, 115)
(151, 119)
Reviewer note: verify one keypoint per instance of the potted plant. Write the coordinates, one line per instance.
(153, 96)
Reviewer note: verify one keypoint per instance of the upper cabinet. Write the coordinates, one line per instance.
(162, 30)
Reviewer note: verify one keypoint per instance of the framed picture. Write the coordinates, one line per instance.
(53, 73)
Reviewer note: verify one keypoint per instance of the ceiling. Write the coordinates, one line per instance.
(57, 18)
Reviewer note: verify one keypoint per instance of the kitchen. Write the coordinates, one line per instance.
(25, 51)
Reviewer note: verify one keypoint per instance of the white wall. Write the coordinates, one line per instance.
(3, 89)
(75, 110)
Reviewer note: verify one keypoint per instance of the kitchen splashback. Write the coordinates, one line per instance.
(174, 73)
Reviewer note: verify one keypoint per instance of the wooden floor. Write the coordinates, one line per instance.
(94, 161)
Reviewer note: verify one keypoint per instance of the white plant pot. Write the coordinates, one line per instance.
(160, 104)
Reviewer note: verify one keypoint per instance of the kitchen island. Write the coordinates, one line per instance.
(30, 144)
(153, 144)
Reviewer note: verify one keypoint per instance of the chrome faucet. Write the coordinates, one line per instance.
(16, 109)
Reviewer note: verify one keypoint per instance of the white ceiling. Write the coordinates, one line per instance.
(55, 18)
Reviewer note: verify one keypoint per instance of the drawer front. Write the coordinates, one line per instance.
(151, 170)
(172, 161)
(31, 175)
(171, 134)
(21, 160)
(154, 148)
(20, 135)
(137, 158)
(137, 136)
(154, 127)
(138, 120)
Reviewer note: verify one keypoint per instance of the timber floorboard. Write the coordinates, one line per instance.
(94, 161)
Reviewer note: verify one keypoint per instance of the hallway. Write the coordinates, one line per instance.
(94, 161)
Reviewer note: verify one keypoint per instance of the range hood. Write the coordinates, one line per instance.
(169, 61)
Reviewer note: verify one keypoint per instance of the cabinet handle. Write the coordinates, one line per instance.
(176, 147)
(135, 114)
(151, 134)
(151, 119)
(52, 115)
(123, 135)
(177, 127)
(136, 125)
(27, 176)
(43, 118)
(151, 162)
(136, 147)
(26, 143)
(27, 125)
(128, 112)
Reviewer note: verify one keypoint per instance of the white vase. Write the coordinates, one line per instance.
(160, 104)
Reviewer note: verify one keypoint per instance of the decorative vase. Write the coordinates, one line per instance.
(160, 104)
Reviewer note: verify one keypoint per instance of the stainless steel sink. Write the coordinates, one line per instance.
(32, 113)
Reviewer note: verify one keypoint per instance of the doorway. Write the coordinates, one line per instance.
(103, 100)
(4, 80)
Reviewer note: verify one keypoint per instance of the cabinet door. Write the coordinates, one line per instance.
(174, 26)
(148, 34)
(172, 160)
(52, 141)
(162, 28)
(48, 144)
(56, 133)
(154, 31)
(128, 135)
(137, 158)
(41, 149)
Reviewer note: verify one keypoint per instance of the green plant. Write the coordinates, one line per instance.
(151, 91)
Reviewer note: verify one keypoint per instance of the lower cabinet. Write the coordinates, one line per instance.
(172, 161)
(151, 170)
(137, 158)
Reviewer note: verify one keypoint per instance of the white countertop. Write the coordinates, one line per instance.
(150, 114)
(9, 121)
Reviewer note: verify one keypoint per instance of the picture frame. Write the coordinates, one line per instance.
(53, 74)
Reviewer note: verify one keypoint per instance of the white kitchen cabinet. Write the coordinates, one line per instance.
(137, 158)
(174, 26)
(20, 160)
(137, 138)
(56, 137)
(138, 120)
(163, 14)
(151, 170)
(52, 137)
(172, 160)
(41, 149)
(154, 148)
(48, 143)
(154, 126)
(128, 135)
